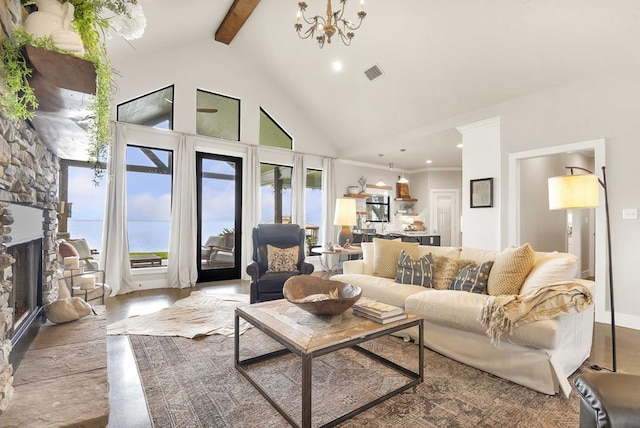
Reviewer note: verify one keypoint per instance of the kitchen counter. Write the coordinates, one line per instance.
(423, 238)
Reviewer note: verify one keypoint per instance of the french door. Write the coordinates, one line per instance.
(219, 183)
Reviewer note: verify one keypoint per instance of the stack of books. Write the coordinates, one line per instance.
(378, 311)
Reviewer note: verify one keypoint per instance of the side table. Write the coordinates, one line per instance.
(326, 255)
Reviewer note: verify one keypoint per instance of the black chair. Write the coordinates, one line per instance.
(609, 399)
(268, 285)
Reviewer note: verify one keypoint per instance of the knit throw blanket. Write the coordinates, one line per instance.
(501, 314)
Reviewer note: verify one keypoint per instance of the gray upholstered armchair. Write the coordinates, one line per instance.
(270, 269)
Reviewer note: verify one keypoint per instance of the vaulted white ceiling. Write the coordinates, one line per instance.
(441, 58)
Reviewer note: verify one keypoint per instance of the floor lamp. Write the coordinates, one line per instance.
(581, 191)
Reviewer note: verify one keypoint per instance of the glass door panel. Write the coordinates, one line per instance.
(219, 216)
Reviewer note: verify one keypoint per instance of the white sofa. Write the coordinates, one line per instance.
(539, 355)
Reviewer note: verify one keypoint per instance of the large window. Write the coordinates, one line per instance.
(272, 134)
(154, 109)
(313, 208)
(378, 208)
(83, 199)
(217, 116)
(275, 193)
(149, 177)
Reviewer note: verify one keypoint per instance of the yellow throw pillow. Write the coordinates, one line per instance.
(282, 259)
(510, 269)
(385, 255)
(446, 270)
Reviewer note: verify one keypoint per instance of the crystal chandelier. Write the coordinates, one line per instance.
(327, 28)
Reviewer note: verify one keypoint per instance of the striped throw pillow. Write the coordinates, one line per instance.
(473, 278)
(416, 272)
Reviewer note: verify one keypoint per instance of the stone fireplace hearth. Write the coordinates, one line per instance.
(28, 188)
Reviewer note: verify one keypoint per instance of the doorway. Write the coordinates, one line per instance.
(445, 216)
(517, 208)
(219, 187)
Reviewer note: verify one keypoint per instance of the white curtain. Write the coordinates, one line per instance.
(329, 233)
(298, 188)
(251, 212)
(182, 268)
(115, 246)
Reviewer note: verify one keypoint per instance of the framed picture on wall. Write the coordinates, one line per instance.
(482, 193)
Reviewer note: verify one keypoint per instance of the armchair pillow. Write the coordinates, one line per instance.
(282, 259)
(416, 272)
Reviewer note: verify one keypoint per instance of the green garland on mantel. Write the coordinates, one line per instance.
(19, 101)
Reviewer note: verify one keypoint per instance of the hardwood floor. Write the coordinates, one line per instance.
(128, 408)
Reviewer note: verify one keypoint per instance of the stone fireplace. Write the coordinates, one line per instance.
(28, 221)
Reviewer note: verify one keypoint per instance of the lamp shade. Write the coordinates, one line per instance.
(345, 212)
(573, 191)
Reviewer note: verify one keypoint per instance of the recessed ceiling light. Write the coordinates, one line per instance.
(429, 161)
(337, 66)
(459, 146)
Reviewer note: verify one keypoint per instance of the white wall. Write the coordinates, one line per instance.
(213, 67)
(601, 107)
(481, 159)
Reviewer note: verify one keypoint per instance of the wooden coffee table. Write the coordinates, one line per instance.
(278, 319)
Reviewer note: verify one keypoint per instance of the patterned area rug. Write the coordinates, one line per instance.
(193, 383)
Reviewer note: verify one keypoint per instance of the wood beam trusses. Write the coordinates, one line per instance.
(238, 13)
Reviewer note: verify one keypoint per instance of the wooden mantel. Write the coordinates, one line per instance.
(59, 71)
(64, 86)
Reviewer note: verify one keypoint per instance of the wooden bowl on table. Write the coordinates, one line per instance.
(320, 296)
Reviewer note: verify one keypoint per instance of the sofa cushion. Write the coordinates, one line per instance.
(452, 252)
(460, 310)
(380, 288)
(416, 272)
(367, 257)
(472, 278)
(510, 269)
(385, 255)
(446, 269)
(478, 255)
(550, 268)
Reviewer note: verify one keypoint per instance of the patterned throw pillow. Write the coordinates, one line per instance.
(416, 272)
(282, 259)
(510, 269)
(446, 269)
(385, 255)
(473, 278)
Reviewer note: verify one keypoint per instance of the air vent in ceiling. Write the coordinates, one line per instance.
(373, 73)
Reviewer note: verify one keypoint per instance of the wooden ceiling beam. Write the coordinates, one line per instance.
(238, 13)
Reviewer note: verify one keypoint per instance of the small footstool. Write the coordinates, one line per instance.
(609, 400)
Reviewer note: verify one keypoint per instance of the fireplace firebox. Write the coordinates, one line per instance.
(26, 296)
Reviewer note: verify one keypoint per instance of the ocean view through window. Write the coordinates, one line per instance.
(149, 181)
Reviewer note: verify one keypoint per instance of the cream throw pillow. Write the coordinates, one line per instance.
(446, 270)
(510, 269)
(385, 255)
(282, 259)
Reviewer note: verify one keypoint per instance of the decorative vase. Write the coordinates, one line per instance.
(53, 19)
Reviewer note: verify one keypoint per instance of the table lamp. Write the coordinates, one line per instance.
(581, 191)
(345, 216)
